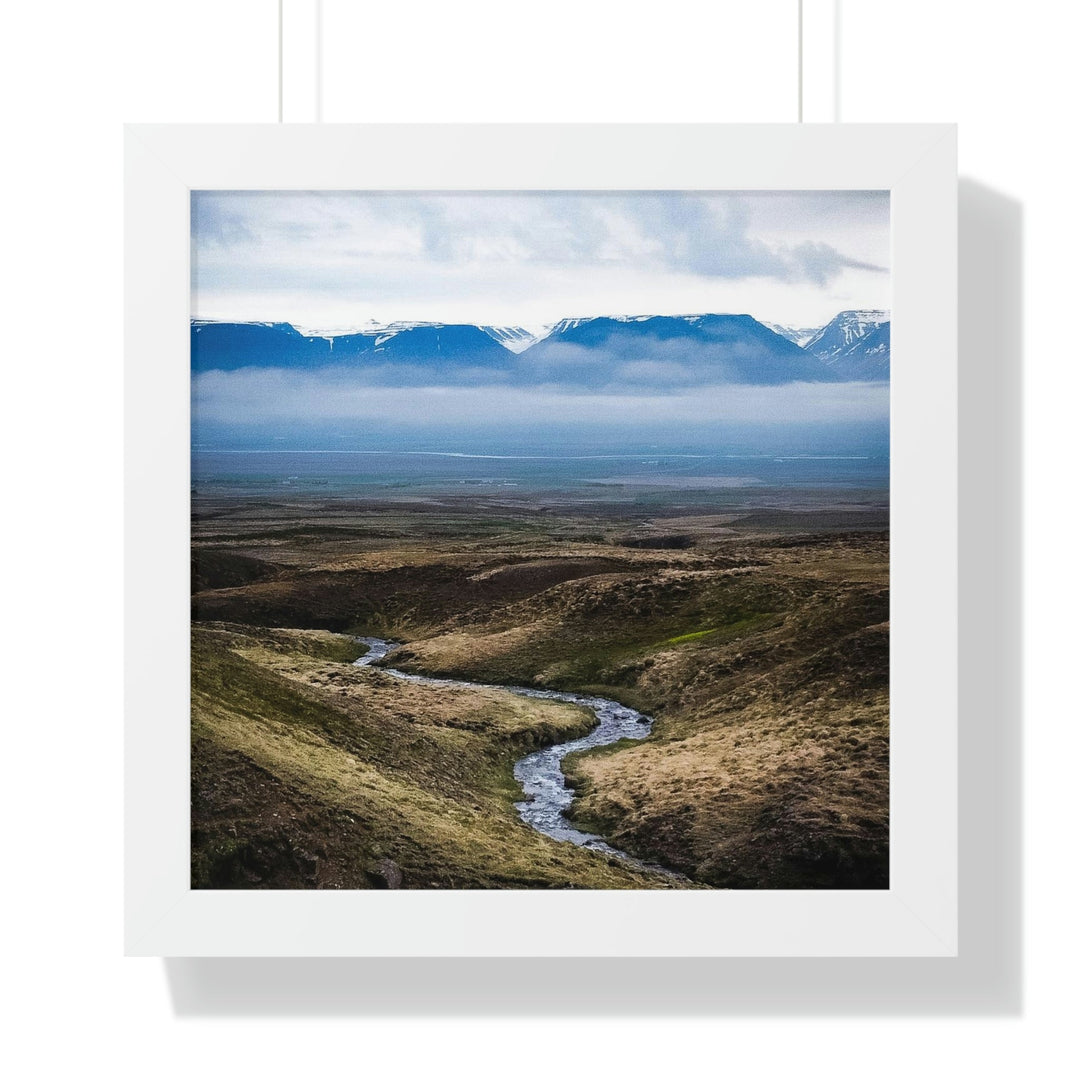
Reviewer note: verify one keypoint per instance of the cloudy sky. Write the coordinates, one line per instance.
(328, 261)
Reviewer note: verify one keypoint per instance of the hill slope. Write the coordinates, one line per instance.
(708, 348)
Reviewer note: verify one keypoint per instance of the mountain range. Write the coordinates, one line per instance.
(712, 348)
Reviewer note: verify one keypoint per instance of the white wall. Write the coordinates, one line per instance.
(70, 73)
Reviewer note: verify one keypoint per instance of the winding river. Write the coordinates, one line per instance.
(540, 774)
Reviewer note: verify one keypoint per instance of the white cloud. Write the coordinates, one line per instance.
(338, 259)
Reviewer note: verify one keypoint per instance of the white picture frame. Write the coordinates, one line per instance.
(917, 914)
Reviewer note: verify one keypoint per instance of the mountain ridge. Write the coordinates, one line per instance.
(855, 344)
(720, 347)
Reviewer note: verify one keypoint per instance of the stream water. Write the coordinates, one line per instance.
(540, 774)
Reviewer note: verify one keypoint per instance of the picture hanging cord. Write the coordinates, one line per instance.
(800, 60)
(318, 63)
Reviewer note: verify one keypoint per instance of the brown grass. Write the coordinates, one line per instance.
(763, 656)
(309, 772)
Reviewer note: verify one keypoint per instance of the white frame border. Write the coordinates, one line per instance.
(917, 915)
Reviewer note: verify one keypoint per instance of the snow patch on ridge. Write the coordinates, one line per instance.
(842, 332)
(517, 338)
(799, 335)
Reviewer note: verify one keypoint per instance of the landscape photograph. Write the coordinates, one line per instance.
(540, 540)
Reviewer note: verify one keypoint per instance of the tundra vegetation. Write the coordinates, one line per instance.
(758, 641)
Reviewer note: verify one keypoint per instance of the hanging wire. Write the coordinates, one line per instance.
(800, 61)
(318, 62)
(280, 62)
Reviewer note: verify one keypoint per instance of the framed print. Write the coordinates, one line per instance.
(532, 550)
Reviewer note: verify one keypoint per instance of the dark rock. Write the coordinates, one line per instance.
(387, 874)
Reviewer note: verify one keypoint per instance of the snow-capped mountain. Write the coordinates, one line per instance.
(855, 345)
(845, 331)
(706, 349)
(229, 346)
(437, 344)
(516, 338)
(565, 324)
(799, 335)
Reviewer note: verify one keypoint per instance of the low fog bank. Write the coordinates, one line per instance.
(250, 405)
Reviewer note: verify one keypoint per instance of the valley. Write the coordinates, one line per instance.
(756, 638)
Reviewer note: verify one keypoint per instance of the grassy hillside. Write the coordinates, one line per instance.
(763, 656)
(310, 772)
(769, 764)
